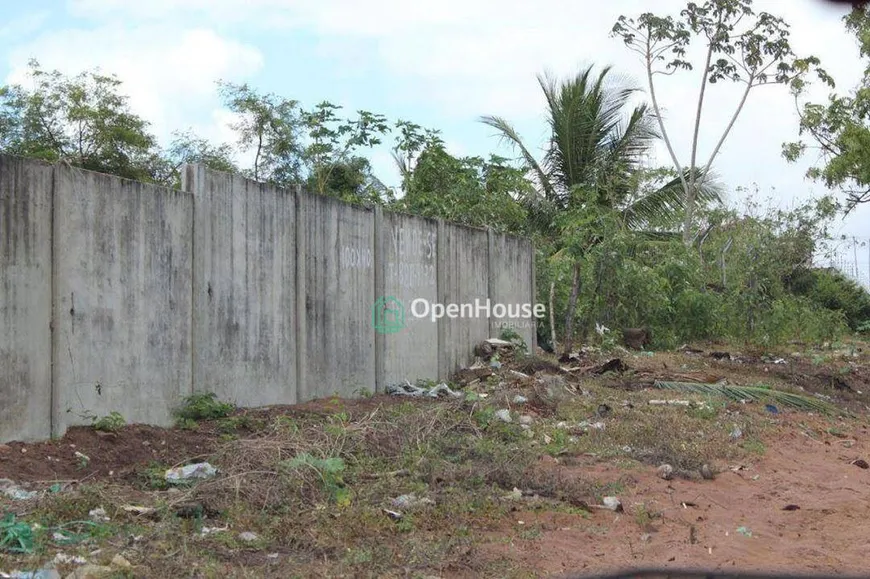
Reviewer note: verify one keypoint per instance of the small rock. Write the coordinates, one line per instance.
(736, 433)
(64, 559)
(666, 472)
(646, 537)
(520, 399)
(603, 410)
(861, 463)
(504, 415)
(612, 504)
(98, 514)
(120, 562)
(91, 572)
(410, 501)
(248, 536)
(707, 472)
(190, 472)
(525, 419)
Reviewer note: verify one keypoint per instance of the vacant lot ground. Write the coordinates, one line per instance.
(447, 487)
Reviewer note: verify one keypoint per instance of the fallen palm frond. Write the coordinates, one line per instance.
(751, 393)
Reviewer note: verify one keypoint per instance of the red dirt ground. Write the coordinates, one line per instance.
(829, 534)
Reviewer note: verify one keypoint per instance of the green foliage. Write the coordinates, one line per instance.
(839, 130)
(111, 423)
(329, 470)
(83, 120)
(204, 406)
(15, 537)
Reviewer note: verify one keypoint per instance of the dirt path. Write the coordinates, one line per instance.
(830, 533)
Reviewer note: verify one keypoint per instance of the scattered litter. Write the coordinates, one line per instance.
(65, 559)
(736, 433)
(520, 375)
(13, 491)
(248, 537)
(137, 510)
(791, 508)
(771, 408)
(273, 555)
(212, 530)
(614, 365)
(408, 389)
(504, 415)
(514, 495)
(47, 573)
(665, 472)
(495, 364)
(646, 537)
(410, 501)
(395, 515)
(525, 420)
(720, 355)
(82, 457)
(860, 463)
(98, 514)
(520, 399)
(198, 471)
(586, 425)
(780, 361)
(670, 402)
(744, 531)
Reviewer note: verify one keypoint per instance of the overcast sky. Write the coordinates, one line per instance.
(441, 64)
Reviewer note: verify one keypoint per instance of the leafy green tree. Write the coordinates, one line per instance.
(186, 148)
(270, 127)
(331, 152)
(83, 120)
(839, 130)
(741, 46)
(586, 183)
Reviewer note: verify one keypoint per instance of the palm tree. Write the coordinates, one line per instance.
(593, 151)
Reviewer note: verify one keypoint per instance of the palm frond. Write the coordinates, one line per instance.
(751, 393)
(669, 200)
(508, 134)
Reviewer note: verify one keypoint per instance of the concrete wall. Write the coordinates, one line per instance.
(244, 284)
(25, 299)
(410, 258)
(337, 291)
(463, 278)
(121, 296)
(122, 300)
(510, 261)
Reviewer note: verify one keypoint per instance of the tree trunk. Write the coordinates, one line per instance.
(572, 308)
(553, 316)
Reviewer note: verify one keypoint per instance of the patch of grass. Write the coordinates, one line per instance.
(111, 423)
(754, 446)
(203, 406)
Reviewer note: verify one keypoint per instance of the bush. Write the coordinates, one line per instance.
(203, 406)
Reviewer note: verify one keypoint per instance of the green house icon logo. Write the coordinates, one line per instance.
(388, 315)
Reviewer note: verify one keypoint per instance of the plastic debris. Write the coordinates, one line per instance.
(13, 491)
(520, 399)
(410, 501)
(408, 389)
(504, 415)
(98, 514)
(190, 472)
(212, 530)
(744, 531)
(771, 408)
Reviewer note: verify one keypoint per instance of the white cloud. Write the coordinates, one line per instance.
(168, 74)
